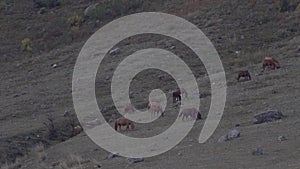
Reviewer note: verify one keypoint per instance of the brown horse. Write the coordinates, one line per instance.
(190, 112)
(245, 74)
(155, 108)
(270, 62)
(123, 122)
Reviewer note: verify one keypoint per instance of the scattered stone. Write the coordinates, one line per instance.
(112, 155)
(258, 151)
(134, 160)
(267, 116)
(98, 166)
(161, 77)
(282, 138)
(237, 125)
(27, 138)
(107, 78)
(115, 51)
(55, 164)
(77, 130)
(172, 47)
(67, 114)
(42, 10)
(179, 154)
(232, 134)
(54, 65)
(16, 95)
(90, 8)
(223, 139)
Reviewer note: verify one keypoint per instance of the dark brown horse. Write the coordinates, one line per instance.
(245, 74)
(177, 94)
(123, 122)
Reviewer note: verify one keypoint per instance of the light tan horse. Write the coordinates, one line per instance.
(129, 109)
(192, 113)
(270, 62)
(123, 122)
(154, 108)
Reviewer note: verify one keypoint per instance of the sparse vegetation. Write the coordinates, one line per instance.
(26, 44)
(47, 31)
(297, 10)
(116, 8)
(283, 5)
(47, 3)
(75, 21)
(52, 131)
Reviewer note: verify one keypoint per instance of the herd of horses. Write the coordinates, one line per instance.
(268, 63)
(155, 109)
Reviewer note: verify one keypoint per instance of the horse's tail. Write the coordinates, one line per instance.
(116, 125)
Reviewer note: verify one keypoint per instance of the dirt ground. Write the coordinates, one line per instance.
(243, 34)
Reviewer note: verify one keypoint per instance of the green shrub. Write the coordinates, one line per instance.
(26, 44)
(297, 10)
(100, 12)
(47, 3)
(115, 8)
(75, 21)
(283, 5)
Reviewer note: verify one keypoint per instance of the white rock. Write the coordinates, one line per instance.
(90, 8)
(115, 51)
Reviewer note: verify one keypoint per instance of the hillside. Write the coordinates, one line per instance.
(41, 42)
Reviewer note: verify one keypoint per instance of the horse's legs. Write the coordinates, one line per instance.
(238, 79)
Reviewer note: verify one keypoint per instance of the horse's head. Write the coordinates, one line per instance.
(149, 105)
(199, 117)
(132, 125)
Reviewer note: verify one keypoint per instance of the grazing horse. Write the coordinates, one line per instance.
(129, 109)
(177, 94)
(245, 74)
(155, 108)
(123, 122)
(190, 112)
(270, 62)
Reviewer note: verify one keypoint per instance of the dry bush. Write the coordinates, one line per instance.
(75, 162)
(38, 155)
(47, 3)
(52, 131)
(16, 165)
